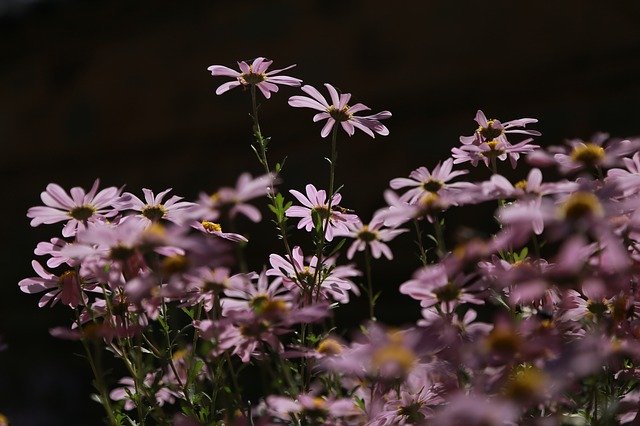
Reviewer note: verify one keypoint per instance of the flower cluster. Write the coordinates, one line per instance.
(535, 324)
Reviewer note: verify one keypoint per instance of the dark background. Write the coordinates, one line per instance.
(120, 91)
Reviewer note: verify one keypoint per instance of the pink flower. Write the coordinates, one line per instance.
(316, 202)
(153, 209)
(598, 152)
(213, 228)
(66, 287)
(340, 112)
(334, 283)
(77, 209)
(372, 235)
(493, 129)
(423, 181)
(494, 149)
(255, 74)
(235, 199)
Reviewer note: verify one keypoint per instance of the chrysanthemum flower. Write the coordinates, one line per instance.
(153, 209)
(372, 235)
(340, 112)
(598, 152)
(255, 74)
(235, 199)
(78, 209)
(493, 129)
(213, 228)
(315, 201)
(436, 182)
(67, 288)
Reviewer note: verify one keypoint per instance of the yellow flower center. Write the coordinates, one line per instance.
(82, 212)
(211, 226)
(429, 199)
(154, 213)
(521, 184)
(340, 114)
(432, 185)
(67, 277)
(366, 235)
(329, 347)
(489, 132)
(174, 264)
(394, 354)
(526, 382)
(503, 340)
(252, 77)
(580, 205)
(588, 154)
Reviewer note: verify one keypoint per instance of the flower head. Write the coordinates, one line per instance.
(77, 209)
(254, 74)
(315, 203)
(339, 111)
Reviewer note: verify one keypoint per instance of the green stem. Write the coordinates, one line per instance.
(423, 253)
(262, 157)
(367, 262)
(332, 172)
(442, 249)
(99, 383)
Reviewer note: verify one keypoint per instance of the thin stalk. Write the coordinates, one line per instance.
(442, 249)
(423, 253)
(262, 157)
(99, 379)
(332, 172)
(367, 262)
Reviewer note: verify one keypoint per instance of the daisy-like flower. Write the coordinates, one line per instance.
(372, 235)
(78, 209)
(488, 151)
(335, 283)
(339, 111)
(213, 228)
(422, 181)
(153, 209)
(235, 199)
(66, 287)
(316, 201)
(493, 129)
(598, 152)
(254, 74)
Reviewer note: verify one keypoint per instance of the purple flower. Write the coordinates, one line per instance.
(67, 288)
(315, 201)
(423, 181)
(372, 235)
(153, 209)
(491, 150)
(598, 152)
(340, 112)
(213, 228)
(493, 129)
(235, 199)
(77, 209)
(334, 283)
(255, 74)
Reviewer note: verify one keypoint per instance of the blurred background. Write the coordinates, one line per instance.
(120, 91)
